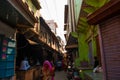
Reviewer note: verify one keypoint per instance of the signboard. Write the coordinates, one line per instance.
(7, 56)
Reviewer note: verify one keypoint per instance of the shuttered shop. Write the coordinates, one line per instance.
(110, 32)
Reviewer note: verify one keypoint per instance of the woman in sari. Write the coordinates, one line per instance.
(47, 71)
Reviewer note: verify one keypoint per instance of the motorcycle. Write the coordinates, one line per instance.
(69, 73)
(76, 75)
(73, 73)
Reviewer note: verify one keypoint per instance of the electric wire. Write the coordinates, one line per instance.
(44, 8)
(54, 2)
(48, 9)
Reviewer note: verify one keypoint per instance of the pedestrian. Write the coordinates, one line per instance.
(64, 64)
(47, 71)
(96, 64)
(59, 65)
(24, 64)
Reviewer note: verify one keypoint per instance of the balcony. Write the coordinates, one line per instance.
(25, 7)
(36, 4)
(72, 42)
(11, 16)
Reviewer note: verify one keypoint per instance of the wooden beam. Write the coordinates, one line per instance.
(71, 46)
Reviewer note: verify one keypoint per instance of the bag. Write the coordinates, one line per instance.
(53, 71)
(53, 74)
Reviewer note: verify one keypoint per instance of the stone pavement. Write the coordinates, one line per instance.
(60, 75)
(94, 76)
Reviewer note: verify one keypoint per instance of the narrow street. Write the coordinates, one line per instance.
(60, 75)
(38, 37)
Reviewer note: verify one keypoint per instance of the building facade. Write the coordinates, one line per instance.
(15, 16)
(29, 36)
(109, 37)
(69, 27)
(52, 25)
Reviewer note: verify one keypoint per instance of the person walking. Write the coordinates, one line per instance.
(47, 71)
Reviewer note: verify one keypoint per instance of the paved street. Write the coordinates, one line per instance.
(60, 75)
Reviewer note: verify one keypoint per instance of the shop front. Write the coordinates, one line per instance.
(7, 51)
(30, 52)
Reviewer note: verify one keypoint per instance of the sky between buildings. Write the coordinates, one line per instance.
(54, 10)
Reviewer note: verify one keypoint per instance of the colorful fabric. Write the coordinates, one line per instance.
(47, 71)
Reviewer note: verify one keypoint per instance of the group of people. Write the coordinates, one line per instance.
(48, 69)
